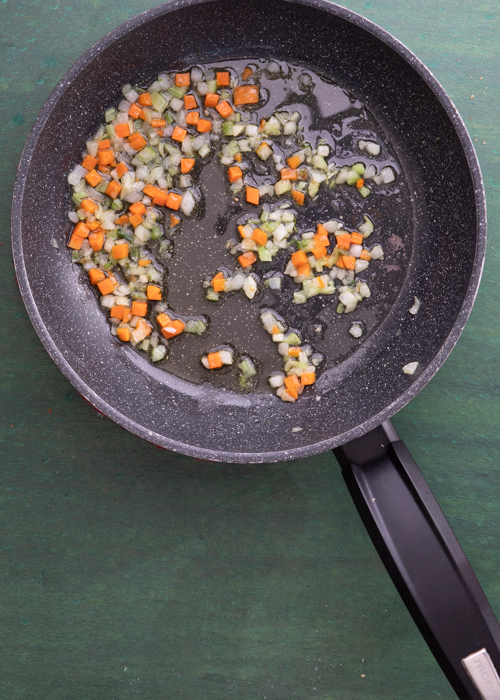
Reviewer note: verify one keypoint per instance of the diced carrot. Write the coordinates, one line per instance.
(75, 242)
(179, 134)
(144, 262)
(241, 230)
(143, 115)
(174, 328)
(113, 189)
(106, 286)
(145, 99)
(163, 319)
(288, 174)
(173, 201)
(304, 270)
(262, 124)
(89, 162)
(187, 164)
(340, 262)
(123, 334)
(150, 191)
(192, 118)
(225, 109)
(190, 102)
(365, 255)
(204, 126)
(238, 157)
(134, 111)
(144, 327)
(259, 236)
(293, 162)
(252, 195)
(137, 141)
(121, 169)
(174, 220)
(294, 351)
(321, 240)
(96, 275)
(298, 197)
(319, 252)
(246, 73)
(356, 238)
(117, 312)
(245, 95)
(104, 144)
(247, 258)
(81, 230)
(299, 258)
(234, 173)
(275, 330)
(135, 220)
(223, 78)
(212, 99)
(292, 393)
(214, 360)
(122, 220)
(96, 240)
(292, 382)
(153, 292)
(127, 314)
(349, 262)
(93, 225)
(218, 285)
(343, 241)
(360, 183)
(320, 282)
(182, 80)
(122, 130)
(120, 251)
(158, 123)
(137, 208)
(93, 178)
(307, 378)
(88, 205)
(139, 308)
(160, 198)
(321, 230)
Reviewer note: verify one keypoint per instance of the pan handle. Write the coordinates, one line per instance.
(424, 560)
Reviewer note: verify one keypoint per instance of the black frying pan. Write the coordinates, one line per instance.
(445, 243)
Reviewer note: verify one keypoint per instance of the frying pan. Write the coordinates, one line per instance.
(445, 246)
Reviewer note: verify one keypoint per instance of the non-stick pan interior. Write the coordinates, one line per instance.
(443, 263)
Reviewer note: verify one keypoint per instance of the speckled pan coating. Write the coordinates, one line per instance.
(449, 238)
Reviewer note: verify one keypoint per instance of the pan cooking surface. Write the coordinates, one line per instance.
(440, 218)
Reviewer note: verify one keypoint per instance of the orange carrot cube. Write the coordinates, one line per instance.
(190, 102)
(122, 130)
(259, 236)
(299, 258)
(81, 230)
(113, 189)
(182, 80)
(252, 195)
(192, 118)
(93, 178)
(214, 360)
(88, 205)
(298, 197)
(179, 134)
(137, 208)
(247, 258)
(89, 162)
(223, 78)
(187, 164)
(139, 308)
(225, 109)
(234, 173)
(173, 200)
(212, 99)
(204, 126)
(96, 275)
(153, 292)
(120, 251)
(135, 111)
(96, 240)
(174, 328)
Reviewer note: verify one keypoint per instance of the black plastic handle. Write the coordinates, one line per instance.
(421, 554)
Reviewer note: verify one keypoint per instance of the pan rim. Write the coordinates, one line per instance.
(250, 457)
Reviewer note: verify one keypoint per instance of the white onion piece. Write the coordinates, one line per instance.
(76, 175)
(332, 226)
(377, 252)
(131, 95)
(355, 330)
(410, 368)
(416, 306)
(276, 380)
(196, 74)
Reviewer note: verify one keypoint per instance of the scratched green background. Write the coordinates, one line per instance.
(128, 571)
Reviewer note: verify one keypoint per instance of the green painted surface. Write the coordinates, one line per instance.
(131, 572)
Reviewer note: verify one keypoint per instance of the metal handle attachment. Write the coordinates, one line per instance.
(423, 558)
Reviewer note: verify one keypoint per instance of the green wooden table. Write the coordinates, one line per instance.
(128, 571)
